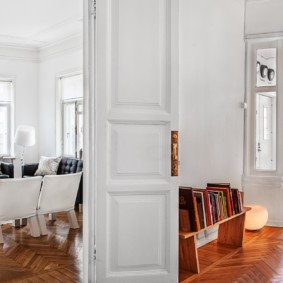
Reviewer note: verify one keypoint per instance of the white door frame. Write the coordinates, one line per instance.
(89, 198)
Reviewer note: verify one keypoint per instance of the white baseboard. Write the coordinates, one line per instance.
(274, 223)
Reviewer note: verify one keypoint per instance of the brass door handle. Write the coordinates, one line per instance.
(174, 153)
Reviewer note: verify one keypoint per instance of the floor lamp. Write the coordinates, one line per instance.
(25, 136)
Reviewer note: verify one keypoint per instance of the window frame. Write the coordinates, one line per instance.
(76, 102)
(59, 114)
(10, 114)
(250, 171)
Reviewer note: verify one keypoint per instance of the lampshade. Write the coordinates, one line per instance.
(256, 218)
(25, 136)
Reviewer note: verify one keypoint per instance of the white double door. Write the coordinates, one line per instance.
(136, 109)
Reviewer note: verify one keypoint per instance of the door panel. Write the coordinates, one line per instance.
(138, 152)
(130, 238)
(138, 54)
(137, 199)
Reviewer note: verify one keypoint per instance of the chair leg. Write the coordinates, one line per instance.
(42, 224)
(24, 221)
(33, 225)
(73, 219)
(52, 216)
(16, 223)
(1, 236)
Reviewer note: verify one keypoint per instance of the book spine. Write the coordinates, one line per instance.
(197, 221)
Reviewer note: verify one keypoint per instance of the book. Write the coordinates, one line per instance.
(213, 205)
(197, 217)
(227, 198)
(237, 200)
(188, 203)
(184, 220)
(220, 185)
(200, 207)
(207, 207)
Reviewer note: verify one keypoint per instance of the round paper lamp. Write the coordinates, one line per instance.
(256, 218)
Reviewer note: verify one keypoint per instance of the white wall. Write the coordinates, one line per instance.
(25, 73)
(212, 64)
(264, 17)
(34, 72)
(49, 69)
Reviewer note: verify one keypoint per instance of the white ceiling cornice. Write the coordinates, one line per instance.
(10, 52)
(36, 54)
(60, 47)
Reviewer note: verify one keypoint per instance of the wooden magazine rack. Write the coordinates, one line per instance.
(231, 232)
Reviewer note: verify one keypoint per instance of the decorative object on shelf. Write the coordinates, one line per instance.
(263, 71)
(270, 74)
(256, 218)
(25, 136)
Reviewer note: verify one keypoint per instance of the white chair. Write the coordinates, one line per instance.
(19, 199)
(58, 194)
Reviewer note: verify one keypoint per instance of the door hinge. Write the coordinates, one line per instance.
(93, 8)
(94, 254)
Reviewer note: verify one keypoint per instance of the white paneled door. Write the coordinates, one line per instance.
(136, 90)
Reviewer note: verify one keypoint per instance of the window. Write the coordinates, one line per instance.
(6, 106)
(71, 106)
(263, 125)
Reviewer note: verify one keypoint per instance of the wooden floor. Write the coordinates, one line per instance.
(56, 257)
(259, 260)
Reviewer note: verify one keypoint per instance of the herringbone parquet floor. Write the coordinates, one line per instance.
(259, 261)
(56, 257)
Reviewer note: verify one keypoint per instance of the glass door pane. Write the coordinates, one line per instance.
(79, 129)
(69, 129)
(265, 146)
(4, 123)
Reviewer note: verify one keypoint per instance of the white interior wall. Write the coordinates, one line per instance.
(49, 69)
(25, 73)
(34, 72)
(212, 64)
(264, 17)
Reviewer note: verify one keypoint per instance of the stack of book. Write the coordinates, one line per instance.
(200, 208)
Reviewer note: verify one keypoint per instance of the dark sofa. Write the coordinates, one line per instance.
(66, 166)
(6, 170)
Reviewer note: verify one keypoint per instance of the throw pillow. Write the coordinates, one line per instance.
(47, 166)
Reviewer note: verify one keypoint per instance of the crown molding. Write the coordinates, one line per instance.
(61, 47)
(13, 52)
(35, 54)
(264, 36)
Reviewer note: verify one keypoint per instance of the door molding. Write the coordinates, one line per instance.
(89, 177)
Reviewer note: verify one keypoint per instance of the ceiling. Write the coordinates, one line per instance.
(37, 23)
